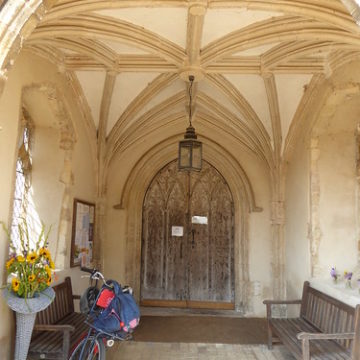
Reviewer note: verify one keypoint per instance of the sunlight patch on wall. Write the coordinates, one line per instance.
(92, 83)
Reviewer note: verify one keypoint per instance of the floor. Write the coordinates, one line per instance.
(202, 329)
(178, 335)
(135, 350)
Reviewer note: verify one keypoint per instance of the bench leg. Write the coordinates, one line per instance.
(268, 317)
(305, 346)
(270, 338)
(66, 344)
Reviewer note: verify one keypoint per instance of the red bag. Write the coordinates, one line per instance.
(105, 298)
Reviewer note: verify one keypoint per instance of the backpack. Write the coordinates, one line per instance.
(122, 313)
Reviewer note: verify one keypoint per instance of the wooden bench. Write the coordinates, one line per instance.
(58, 327)
(324, 329)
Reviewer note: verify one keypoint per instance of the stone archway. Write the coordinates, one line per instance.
(67, 139)
(131, 204)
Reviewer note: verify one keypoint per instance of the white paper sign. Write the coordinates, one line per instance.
(177, 231)
(199, 220)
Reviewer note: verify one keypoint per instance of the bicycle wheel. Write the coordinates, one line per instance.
(92, 349)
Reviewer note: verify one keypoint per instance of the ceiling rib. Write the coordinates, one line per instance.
(274, 30)
(244, 107)
(156, 86)
(331, 12)
(101, 27)
(273, 102)
(313, 38)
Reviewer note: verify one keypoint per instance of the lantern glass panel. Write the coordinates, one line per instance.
(196, 156)
(185, 155)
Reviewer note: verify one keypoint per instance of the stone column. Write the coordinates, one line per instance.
(278, 255)
(357, 197)
(99, 231)
(315, 231)
(67, 178)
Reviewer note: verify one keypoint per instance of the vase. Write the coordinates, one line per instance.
(26, 310)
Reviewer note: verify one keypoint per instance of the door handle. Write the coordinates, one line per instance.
(193, 239)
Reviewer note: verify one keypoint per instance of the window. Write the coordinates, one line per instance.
(22, 196)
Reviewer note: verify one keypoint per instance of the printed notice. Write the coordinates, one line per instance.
(199, 220)
(177, 231)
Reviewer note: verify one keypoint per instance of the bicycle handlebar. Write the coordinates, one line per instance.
(94, 274)
(88, 270)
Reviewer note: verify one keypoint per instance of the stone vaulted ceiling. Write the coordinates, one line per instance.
(256, 64)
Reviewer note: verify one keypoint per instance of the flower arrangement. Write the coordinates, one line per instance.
(334, 274)
(30, 266)
(348, 277)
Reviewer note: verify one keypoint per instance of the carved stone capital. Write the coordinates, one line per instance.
(66, 140)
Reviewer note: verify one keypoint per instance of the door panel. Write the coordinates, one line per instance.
(195, 269)
(175, 259)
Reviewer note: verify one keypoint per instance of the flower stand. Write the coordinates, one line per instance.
(26, 310)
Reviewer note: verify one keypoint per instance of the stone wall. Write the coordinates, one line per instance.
(322, 187)
(63, 164)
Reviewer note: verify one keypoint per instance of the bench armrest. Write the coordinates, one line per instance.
(279, 302)
(306, 337)
(269, 303)
(320, 336)
(49, 327)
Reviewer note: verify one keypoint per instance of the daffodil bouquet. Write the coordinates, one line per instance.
(30, 264)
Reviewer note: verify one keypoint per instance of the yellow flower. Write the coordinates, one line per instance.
(10, 262)
(45, 252)
(15, 284)
(52, 265)
(48, 271)
(48, 282)
(20, 258)
(31, 258)
(31, 277)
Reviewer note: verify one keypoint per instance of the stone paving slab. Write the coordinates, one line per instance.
(135, 350)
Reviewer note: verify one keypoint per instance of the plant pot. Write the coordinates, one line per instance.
(26, 310)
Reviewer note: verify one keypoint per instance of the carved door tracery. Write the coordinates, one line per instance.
(197, 268)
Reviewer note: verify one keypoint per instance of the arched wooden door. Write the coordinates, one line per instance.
(188, 240)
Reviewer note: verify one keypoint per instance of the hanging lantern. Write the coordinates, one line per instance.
(190, 149)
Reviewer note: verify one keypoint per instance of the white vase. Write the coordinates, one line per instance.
(26, 310)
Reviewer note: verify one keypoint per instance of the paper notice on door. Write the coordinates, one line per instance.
(199, 220)
(177, 231)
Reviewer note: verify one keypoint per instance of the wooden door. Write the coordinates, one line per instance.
(187, 240)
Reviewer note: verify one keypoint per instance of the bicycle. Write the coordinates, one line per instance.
(92, 346)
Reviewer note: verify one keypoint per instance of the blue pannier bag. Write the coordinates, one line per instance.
(122, 314)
